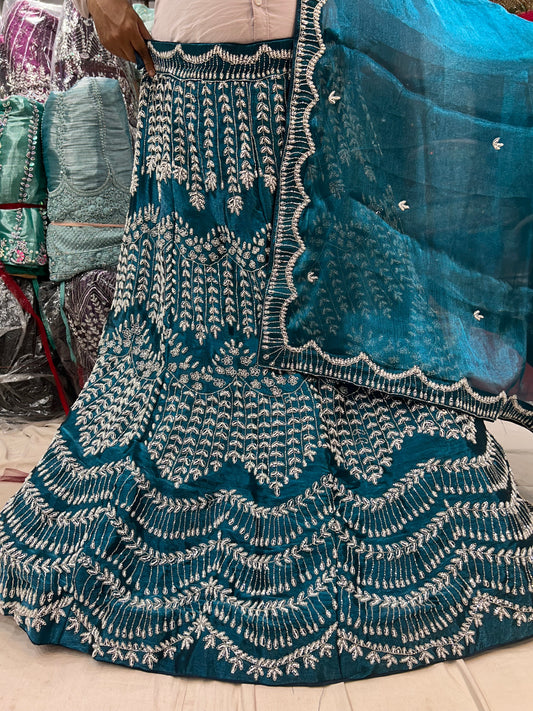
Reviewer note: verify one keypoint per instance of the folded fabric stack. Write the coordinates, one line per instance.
(78, 53)
(52, 313)
(88, 161)
(27, 369)
(72, 204)
(76, 312)
(50, 46)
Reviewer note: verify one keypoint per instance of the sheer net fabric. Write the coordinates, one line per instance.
(403, 253)
(27, 390)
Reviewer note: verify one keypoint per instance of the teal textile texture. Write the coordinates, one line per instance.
(88, 160)
(199, 514)
(22, 187)
(403, 245)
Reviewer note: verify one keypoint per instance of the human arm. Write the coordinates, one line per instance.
(121, 30)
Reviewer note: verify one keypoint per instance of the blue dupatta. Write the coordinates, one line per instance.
(403, 246)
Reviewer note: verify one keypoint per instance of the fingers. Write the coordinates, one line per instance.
(142, 50)
(143, 30)
(121, 31)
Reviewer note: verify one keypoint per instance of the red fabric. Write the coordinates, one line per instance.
(17, 292)
(16, 205)
(13, 475)
(526, 15)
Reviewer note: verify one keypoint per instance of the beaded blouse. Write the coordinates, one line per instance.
(22, 186)
(88, 162)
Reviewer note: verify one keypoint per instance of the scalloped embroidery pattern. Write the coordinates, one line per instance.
(388, 600)
(278, 526)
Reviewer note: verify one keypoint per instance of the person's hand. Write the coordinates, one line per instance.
(121, 30)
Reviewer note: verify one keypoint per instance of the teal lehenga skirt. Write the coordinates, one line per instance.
(198, 514)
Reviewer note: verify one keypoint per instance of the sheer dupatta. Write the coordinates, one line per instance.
(404, 238)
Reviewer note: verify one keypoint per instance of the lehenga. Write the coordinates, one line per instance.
(198, 514)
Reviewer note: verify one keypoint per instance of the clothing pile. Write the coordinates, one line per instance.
(67, 116)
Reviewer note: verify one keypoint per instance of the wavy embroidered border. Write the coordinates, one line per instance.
(219, 51)
(86, 636)
(275, 349)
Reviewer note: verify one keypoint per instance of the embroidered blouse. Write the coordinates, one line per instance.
(88, 161)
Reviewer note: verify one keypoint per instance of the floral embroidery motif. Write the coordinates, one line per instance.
(22, 243)
(182, 148)
(195, 503)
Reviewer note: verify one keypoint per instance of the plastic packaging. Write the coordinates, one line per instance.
(27, 388)
(88, 299)
(53, 315)
(29, 32)
(75, 313)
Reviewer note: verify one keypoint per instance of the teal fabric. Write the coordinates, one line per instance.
(146, 14)
(88, 161)
(22, 187)
(403, 249)
(22, 240)
(199, 514)
(22, 178)
(76, 249)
